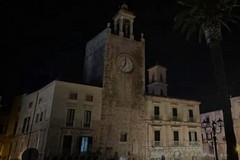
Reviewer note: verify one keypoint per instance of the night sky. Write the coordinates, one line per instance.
(45, 40)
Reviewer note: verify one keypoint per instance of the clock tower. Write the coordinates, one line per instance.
(115, 61)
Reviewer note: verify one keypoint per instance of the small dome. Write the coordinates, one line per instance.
(124, 6)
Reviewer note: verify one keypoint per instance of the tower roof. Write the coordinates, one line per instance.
(124, 6)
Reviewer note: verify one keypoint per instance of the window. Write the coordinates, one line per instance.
(89, 98)
(30, 105)
(160, 92)
(25, 124)
(174, 114)
(87, 118)
(40, 100)
(157, 138)
(41, 116)
(73, 96)
(153, 78)
(192, 136)
(70, 117)
(123, 137)
(175, 136)
(161, 78)
(37, 116)
(156, 112)
(85, 144)
(174, 111)
(190, 114)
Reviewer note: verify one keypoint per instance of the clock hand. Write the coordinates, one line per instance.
(124, 62)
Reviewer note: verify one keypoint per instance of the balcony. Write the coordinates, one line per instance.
(156, 117)
(191, 119)
(176, 144)
(86, 125)
(194, 143)
(175, 118)
(69, 124)
(157, 143)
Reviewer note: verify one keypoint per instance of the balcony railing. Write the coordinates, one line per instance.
(175, 118)
(191, 119)
(176, 143)
(157, 143)
(194, 143)
(156, 117)
(69, 124)
(86, 125)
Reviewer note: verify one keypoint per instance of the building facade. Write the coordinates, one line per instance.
(111, 115)
(174, 130)
(207, 137)
(59, 120)
(235, 102)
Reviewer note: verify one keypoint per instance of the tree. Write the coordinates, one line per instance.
(206, 18)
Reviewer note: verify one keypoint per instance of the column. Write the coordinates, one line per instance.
(121, 26)
(131, 29)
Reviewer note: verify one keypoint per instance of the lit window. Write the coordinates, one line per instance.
(89, 98)
(85, 144)
(73, 96)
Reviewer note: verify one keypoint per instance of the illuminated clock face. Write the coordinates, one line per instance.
(124, 63)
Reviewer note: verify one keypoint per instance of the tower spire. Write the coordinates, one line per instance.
(124, 6)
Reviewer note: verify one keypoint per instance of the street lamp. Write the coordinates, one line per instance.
(212, 129)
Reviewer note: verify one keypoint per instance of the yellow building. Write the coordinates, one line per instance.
(8, 139)
(3, 139)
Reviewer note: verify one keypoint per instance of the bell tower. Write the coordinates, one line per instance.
(157, 81)
(123, 22)
(115, 61)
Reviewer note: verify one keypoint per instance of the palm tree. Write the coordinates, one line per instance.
(206, 17)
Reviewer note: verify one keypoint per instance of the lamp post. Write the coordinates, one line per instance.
(212, 129)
